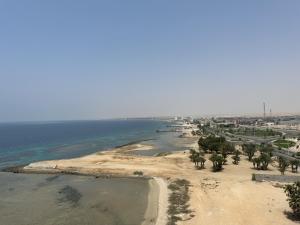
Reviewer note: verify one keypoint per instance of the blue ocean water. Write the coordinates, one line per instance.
(22, 143)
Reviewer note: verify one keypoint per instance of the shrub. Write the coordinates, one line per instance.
(138, 173)
(293, 193)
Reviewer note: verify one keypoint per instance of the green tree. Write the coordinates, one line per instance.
(265, 159)
(197, 157)
(211, 143)
(256, 163)
(268, 149)
(217, 161)
(250, 150)
(201, 160)
(294, 165)
(225, 149)
(193, 156)
(236, 158)
(262, 162)
(283, 164)
(293, 193)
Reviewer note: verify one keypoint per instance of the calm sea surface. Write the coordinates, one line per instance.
(22, 143)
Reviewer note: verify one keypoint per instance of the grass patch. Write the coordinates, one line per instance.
(178, 200)
(284, 143)
(245, 131)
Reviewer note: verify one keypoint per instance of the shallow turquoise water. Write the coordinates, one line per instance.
(22, 143)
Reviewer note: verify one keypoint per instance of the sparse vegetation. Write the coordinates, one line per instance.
(178, 200)
(163, 154)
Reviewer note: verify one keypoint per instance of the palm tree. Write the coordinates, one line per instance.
(236, 158)
(283, 164)
(294, 164)
(217, 161)
(250, 150)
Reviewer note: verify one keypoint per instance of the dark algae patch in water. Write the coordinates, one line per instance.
(40, 199)
(70, 195)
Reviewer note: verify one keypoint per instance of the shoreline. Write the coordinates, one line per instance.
(211, 198)
(157, 203)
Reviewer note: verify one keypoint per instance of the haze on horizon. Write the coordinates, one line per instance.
(69, 59)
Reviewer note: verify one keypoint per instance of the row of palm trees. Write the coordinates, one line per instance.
(218, 160)
(260, 161)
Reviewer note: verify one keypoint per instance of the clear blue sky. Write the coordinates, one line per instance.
(101, 59)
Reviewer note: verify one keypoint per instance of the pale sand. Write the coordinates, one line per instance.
(224, 198)
(153, 196)
(156, 212)
(162, 216)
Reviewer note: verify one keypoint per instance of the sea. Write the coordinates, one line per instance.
(22, 143)
(29, 199)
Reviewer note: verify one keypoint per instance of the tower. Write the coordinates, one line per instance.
(264, 107)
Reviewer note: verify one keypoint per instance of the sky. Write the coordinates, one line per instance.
(70, 59)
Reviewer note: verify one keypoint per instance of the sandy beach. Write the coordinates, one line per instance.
(229, 197)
